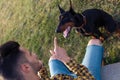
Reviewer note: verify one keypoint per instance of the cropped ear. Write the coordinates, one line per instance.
(72, 11)
(70, 4)
(71, 8)
(61, 10)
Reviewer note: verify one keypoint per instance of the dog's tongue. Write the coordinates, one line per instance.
(66, 32)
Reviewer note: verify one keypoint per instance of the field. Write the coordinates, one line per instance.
(33, 22)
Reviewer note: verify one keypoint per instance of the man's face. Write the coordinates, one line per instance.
(33, 59)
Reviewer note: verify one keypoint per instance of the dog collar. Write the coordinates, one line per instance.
(82, 26)
(84, 22)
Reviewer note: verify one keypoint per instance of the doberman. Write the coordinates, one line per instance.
(87, 23)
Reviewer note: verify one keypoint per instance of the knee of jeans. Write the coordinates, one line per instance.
(95, 42)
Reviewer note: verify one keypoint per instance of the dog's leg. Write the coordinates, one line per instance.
(103, 61)
(99, 35)
(81, 32)
(117, 29)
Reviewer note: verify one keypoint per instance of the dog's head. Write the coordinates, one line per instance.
(67, 20)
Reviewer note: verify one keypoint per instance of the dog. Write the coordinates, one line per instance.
(87, 23)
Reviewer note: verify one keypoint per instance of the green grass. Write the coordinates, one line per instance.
(32, 23)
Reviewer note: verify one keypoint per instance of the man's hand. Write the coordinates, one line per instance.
(59, 53)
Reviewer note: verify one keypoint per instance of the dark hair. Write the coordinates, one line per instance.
(9, 57)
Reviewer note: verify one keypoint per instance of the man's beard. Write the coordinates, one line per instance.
(36, 66)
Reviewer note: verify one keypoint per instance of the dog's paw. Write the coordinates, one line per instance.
(78, 32)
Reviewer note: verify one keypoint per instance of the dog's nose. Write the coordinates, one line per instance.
(58, 31)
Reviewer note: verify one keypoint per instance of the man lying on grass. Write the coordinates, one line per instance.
(18, 63)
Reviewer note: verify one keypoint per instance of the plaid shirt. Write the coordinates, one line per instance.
(80, 70)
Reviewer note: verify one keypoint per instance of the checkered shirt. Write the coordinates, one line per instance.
(80, 70)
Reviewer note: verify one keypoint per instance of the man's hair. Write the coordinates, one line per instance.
(10, 56)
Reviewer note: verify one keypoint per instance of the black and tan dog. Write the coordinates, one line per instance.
(87, 23)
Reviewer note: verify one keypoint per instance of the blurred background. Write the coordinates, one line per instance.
(32, 23)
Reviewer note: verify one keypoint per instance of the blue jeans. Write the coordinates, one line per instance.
(92, 60)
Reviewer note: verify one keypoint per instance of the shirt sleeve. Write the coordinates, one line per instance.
(43, 74)
(80, 70)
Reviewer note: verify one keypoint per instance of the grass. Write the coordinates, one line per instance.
(32, 23)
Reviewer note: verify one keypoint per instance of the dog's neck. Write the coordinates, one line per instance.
(84, 22)
(81, 27)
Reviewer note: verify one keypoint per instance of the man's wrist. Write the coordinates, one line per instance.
(66, 60)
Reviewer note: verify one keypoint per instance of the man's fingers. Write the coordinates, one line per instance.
(55, 43)
(52, 52)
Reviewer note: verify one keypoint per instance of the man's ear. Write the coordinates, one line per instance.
(25, 67)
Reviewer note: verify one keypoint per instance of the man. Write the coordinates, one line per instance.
(17, 63)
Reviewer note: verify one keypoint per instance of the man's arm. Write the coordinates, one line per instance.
(60, 54)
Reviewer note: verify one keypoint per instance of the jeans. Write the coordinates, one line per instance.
(93, 60)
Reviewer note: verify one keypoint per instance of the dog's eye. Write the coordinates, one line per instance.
(61, 17)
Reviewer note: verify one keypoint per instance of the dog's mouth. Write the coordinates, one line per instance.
(66, 32)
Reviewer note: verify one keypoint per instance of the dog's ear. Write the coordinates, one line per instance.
(71, 8)
(61, 10)
(72, 11)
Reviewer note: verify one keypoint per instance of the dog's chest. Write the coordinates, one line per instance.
(84, 31)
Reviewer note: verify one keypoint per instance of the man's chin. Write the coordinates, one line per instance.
(40, 65)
